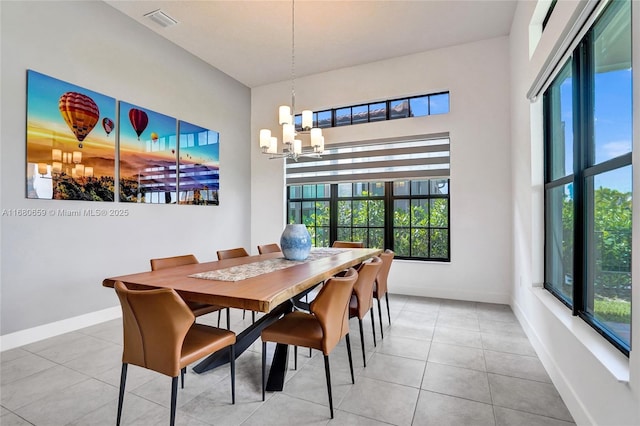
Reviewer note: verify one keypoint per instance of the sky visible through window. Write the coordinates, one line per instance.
(613, 123)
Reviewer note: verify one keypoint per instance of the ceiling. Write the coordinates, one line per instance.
(251, 40)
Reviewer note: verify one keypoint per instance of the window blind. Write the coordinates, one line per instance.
(419, 158)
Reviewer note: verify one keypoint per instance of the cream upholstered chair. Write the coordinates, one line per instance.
(380, 288)
(231, 254)
(348, 244)
(320, 329)
(269, 248)
(197, 308)
(362, 298)
(160, 334)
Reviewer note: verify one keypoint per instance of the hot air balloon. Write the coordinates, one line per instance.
(107, 125)
(139, 120)
(80, 113)
(173, 151)
(154, 136)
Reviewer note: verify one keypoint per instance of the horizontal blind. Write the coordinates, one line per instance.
(422, 158)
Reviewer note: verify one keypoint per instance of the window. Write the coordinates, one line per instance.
(411, 217)
(588, 176)
(421, 219)
(415, 106)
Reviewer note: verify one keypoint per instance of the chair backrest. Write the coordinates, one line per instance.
(171, 262)
(232, 253)
(269, 248)
(155, 323)
(331, 308)
(383, 274)
(348, 244)
(363, 288)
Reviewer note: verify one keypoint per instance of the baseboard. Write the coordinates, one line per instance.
(444, 293)
(24, 337)
(569, 396)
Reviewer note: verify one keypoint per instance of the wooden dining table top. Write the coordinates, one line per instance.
(261, 293)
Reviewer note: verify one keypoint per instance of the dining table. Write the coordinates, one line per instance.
(266, 283)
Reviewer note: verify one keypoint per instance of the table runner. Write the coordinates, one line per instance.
(250, 270)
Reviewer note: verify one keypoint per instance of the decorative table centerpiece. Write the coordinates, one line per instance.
(295, 242)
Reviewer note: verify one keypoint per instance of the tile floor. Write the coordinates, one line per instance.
(441, 362)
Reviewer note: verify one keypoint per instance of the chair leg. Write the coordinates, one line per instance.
(328, 374)
(123, 379)
(174, 397)
(229, 319)
(233, 373)
(364, 357)
(386, 296)
(346, 337)
(373, 326)
(182, 372)
(295, 358)
(264, 368)
(380, 315)
(243, 313)
(310, 354)
(219, 315)
(253, 315)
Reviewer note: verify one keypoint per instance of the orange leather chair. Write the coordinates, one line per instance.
(381, 285)
(231, 254)
(160, 334)
(348, 244)
(197, 308)
(362, 298)
(320, 329)
(269, 248)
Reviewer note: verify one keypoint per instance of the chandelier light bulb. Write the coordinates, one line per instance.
(307, 120)
(265, 138)
(284, 113)
(288, 133)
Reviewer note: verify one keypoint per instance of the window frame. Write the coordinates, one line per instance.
(388, 199)
(585, 169)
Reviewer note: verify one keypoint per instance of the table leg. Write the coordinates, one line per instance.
(243, 340)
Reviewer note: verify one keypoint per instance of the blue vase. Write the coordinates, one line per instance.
(295, 242)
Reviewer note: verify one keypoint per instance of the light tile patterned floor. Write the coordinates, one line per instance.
(441, 362)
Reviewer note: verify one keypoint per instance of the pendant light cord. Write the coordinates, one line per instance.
(293, 56)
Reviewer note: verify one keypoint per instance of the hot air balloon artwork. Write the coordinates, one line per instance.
(62, 135)
(107, 125)
(139, 120)
(147, 158)
(199, 165)
(80, 113)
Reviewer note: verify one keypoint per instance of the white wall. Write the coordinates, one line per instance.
(52, 267)
(599, 385)
(477, 76)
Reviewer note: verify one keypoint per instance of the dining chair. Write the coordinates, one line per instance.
(362, 298)
(197, 308)
(321, 328)
(160, 334)
(231, 254)
(380, 288)
(269, 248)
(348, 244)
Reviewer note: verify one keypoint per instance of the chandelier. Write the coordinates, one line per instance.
(291, 145)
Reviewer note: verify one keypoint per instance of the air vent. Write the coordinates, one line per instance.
(161, 18)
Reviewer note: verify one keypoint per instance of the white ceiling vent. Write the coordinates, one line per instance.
(161, 18)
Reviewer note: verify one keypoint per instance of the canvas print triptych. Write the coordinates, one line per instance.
(75, 136)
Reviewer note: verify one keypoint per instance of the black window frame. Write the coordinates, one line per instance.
(584, 168)
(388, 198)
